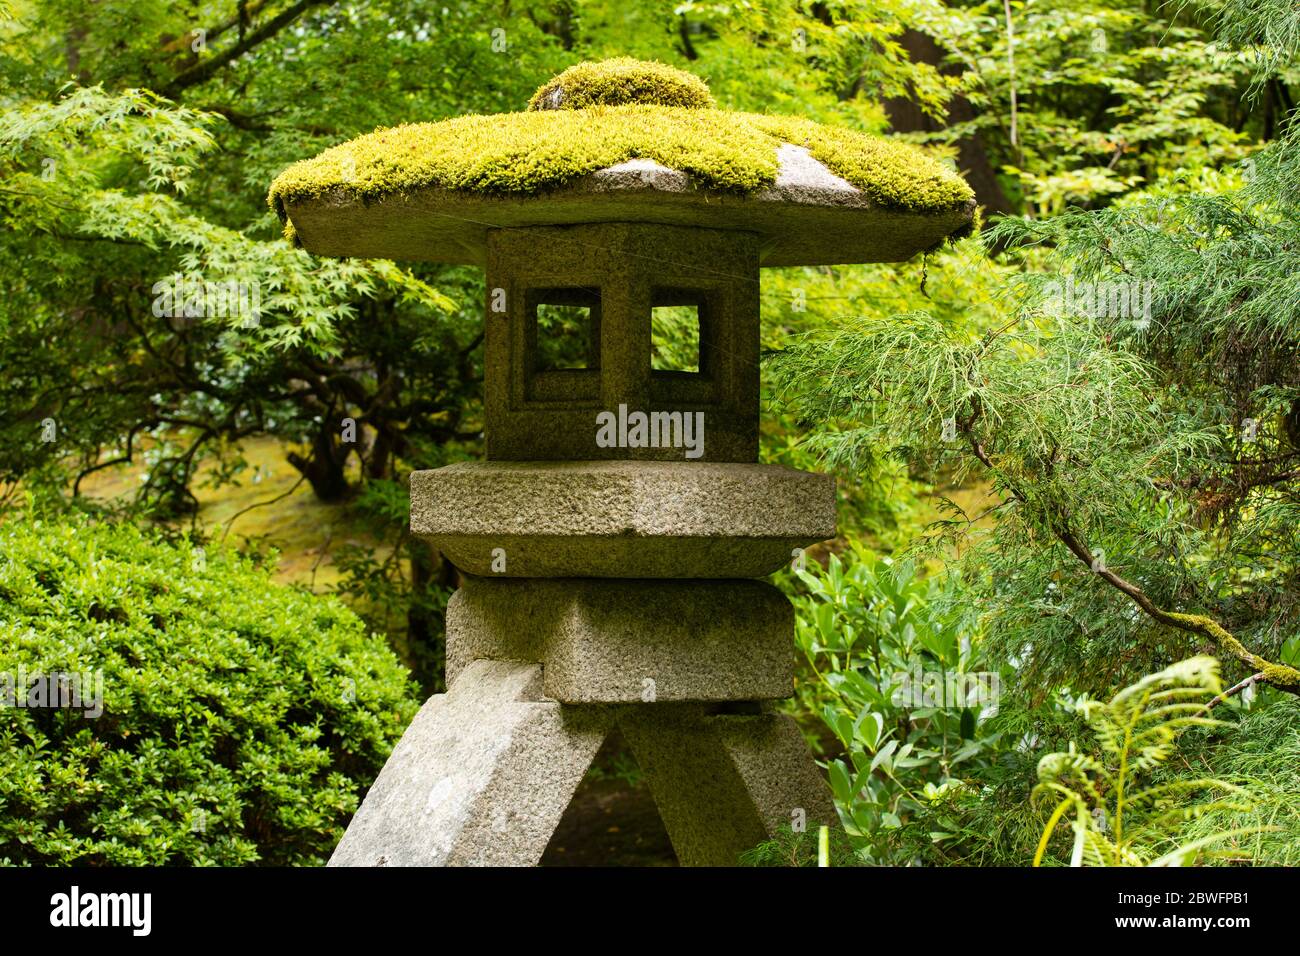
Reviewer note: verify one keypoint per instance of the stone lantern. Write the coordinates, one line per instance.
(613, 540)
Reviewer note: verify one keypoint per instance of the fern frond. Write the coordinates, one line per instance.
(1137, 731)
(1188, 852)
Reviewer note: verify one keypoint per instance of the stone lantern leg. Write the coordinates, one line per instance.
(612, 542)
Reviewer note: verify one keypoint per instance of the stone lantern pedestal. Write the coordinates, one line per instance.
(609, 587)
(612, 541)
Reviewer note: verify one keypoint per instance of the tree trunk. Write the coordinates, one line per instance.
(324, 470)
(972, 157)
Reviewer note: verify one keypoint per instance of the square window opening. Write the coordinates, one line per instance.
(677, 332)
(564, 328)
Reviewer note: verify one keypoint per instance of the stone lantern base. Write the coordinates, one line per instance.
(485, 772)
(541, 670)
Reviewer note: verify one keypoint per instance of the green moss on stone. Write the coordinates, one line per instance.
(892, 174)
(620, 82)
(526, 153)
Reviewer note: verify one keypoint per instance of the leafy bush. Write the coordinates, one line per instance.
(240, 719)
(403, 593)
(891, 670)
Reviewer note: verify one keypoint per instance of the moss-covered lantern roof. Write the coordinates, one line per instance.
(622, 141)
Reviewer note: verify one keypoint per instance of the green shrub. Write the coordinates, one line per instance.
(897, 674)
(240, 721)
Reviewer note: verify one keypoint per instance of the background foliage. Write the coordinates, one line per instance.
(1106, 140)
